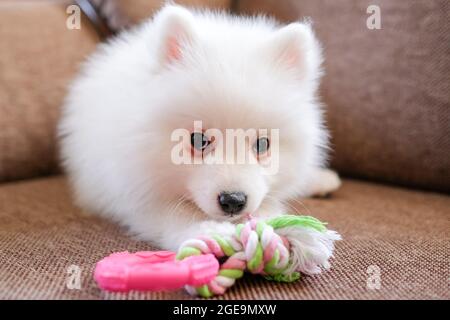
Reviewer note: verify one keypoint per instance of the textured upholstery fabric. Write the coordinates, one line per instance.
(38, 57)
(405, 233)
(387, 91)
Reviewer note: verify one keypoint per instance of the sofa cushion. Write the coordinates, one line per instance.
(403, 233)
(387, 91)
(38, 58)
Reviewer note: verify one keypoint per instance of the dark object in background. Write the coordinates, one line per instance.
(105, 16)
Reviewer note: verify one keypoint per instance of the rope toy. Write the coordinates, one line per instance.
(278, 248)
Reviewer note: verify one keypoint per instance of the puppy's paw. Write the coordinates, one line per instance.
(325, 182)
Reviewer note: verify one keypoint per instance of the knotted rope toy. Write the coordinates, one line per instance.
(278, 248)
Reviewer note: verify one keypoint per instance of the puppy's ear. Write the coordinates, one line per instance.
(176, 33)
(295, 48)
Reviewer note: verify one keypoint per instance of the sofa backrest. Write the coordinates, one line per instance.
(39, 56)
(387, 91)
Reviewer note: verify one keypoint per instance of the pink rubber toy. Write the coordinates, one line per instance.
(153, 271)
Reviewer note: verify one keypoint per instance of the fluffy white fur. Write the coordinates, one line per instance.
(310, 249)
(180, 67)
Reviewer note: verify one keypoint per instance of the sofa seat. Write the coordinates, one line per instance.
(403, 234)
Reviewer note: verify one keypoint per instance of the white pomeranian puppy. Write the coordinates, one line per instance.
(174, 71)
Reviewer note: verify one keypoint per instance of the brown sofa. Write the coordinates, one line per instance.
(387, 96)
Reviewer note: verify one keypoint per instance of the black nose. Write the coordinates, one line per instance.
(232, 202)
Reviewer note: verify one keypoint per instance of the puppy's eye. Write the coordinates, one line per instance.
(261, 145)
(199, 141)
